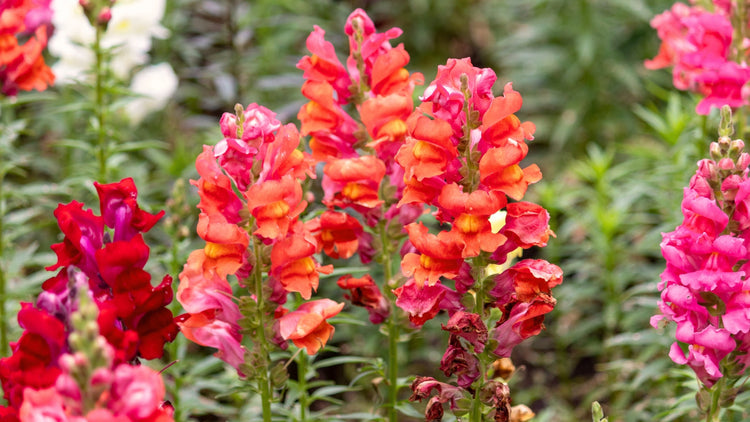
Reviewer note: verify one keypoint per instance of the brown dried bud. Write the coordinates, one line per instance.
(503, 368)
(521, 413)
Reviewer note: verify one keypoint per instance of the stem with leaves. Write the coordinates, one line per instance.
(261, 343)
(302, 361)
(100, 111)
(393, 324)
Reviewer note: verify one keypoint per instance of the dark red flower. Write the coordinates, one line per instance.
(364, 292)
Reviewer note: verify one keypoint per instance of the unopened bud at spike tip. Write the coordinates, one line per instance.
(726, 128)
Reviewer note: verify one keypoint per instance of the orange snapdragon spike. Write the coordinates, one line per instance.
(275, 204)
(307, 326)
(471, 213)
(428, 150)
(293, 265)
(440, 256)
(353, 182)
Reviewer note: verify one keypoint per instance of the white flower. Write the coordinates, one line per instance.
(155, 84)
(129, 33)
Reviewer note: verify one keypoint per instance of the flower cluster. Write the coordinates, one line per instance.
(462, 157)
(22, 66)
(457, 153)
(101, 277)
(705, 55)
(704, 288)
(359, 149)
(258, 233)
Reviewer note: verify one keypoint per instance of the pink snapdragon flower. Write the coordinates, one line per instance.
(699, 46)
(704, 286)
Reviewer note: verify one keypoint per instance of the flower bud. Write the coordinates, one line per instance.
(715, 151)
(726, 164)
(724, 143)
(743, 161)
(105, 15)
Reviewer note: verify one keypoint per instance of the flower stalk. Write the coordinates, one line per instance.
(102, 147)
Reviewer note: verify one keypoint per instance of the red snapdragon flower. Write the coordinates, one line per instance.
(364, 292)
(337, 234)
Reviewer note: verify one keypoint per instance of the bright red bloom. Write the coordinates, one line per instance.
(524, 320)
(353, 182)
(138, 305)
(439, 256)
(120, 211)
(470, 213)
(33, 362)
(84, 235)
(307, 326)
(364, 292)
(337, 234)
(293, 264)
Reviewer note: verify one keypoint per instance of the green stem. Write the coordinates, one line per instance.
(4, 349)
(393, 326)
(100, 106)
(714, 410)
(476, 408)
(393, 334)
(263, 379)
(302, 385)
